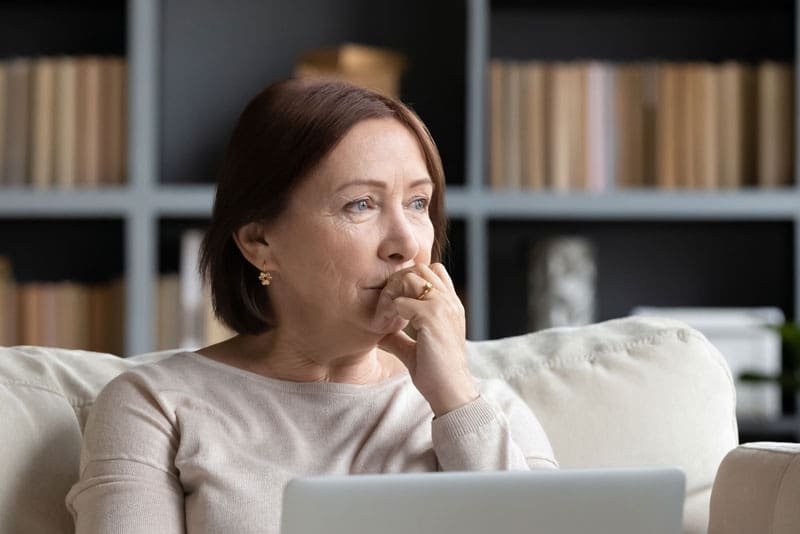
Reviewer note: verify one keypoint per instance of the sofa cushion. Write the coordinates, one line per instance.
(45, 397)
(629, 392)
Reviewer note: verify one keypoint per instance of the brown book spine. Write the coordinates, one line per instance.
(8, 304)
(16, 170)
(169, 312)
(534, 125)
(649, 100)
(112, 119)
(775, 124)
(42, 151)
(578, 118)
(48, 314)
(559, 120)
(66, 126)
(629, 125)
(28, 323)
(708, 171)
(89, 156)
(511, 121)
(690, 122)
(667, 130)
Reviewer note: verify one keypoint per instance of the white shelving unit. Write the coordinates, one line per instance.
(142, 203)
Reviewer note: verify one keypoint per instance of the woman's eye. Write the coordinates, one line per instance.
(419, 203)
(359, 205)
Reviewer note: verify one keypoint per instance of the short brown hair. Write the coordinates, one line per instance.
(280, 137)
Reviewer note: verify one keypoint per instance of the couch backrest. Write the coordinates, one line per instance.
(637, 391)
(45, 397)
(629, 392)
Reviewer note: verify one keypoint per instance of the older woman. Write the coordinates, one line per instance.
(322, 253)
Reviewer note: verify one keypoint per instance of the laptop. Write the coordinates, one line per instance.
(591, 501)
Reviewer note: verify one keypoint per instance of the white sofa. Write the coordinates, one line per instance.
(629, 392)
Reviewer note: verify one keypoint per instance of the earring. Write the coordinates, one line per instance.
(264, 277)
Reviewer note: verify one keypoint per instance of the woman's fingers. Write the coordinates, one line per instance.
(415, 282)
(401, 345)
(439, 270)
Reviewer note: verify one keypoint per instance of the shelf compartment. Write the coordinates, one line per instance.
(654, 263)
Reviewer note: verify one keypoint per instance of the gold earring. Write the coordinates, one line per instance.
(264, 277)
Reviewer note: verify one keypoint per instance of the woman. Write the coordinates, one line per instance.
(323, 247)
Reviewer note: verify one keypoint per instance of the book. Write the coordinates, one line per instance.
(113, 121)
(17, 107)
(775, 124)
(690, 124)
(66, 123)
(28, 314)
(707, 155)
(168, 329)
(736, 125)
(667, 133)
(649, 100)
(8, 304)
(496, 129)
(561, 138)
(599, 132)
(512, 156)
(89, 121)
(534, 101)
(578, 116)
(42, 151)
(628, 123)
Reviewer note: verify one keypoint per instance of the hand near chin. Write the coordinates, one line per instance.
(436, 360)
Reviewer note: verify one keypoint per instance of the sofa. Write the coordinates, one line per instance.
(629, 392)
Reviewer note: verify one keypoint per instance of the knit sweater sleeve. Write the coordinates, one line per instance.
(128, 481)
(497, 431)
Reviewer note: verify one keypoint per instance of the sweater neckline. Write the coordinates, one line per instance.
(300, 387)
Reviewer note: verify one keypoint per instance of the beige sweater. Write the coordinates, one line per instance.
(189, 444)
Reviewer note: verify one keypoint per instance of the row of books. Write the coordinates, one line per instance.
(597, 125)
(91, 316)
(61, 314)
(63, 121)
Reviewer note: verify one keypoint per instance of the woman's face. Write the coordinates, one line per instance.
(360, 216)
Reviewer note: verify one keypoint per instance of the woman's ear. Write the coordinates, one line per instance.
(252, 242)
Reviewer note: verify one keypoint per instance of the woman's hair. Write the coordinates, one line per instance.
(280, 137)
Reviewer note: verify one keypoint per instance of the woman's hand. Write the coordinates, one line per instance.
(436, 360)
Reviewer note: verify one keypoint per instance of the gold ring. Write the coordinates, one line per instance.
(425, 290)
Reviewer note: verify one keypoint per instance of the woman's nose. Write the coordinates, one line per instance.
(399, 243)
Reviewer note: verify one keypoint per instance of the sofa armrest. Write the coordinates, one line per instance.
(757, 489)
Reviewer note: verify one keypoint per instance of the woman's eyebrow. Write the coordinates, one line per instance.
(382, 184)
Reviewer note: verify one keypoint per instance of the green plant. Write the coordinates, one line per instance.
(789, 378)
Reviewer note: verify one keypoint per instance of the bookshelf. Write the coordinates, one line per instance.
(500, 223)
(185, 89)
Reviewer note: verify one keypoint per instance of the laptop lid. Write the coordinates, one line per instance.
(596, 501)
